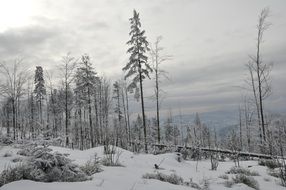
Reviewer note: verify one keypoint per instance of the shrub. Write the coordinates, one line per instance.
(271, 164)
(279, 172)
(274, 173)
(5, 140)
(179, 157)
(17, 159)
(240, 170)
(7, 154)
(214, 162)
(173, 178)
(12, 174)
(282, 173)
(222, 158)
(185, 153)
(205, 184)
(44, 166)
(247, 180)
(192, 184)
(111, 158)
(223, 177)
(27, 150)
(267, 179)
(228, 183)
(92, 166)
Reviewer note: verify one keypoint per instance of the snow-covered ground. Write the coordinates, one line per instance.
(129, 177)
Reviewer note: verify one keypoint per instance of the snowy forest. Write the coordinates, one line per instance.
(80, 126)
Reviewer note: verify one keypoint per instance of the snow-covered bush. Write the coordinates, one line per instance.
(17, 159)
(223, 177)
(26, 150)
(111, 157)
(48, 164)
(45, 166)
(274, 173)
(160, 151)
(228, 183)
(214, 162)
(179, 157)
(282, 173)
(221, 158)
(11, 174)
(240, 170)
(205, 184)
(185, 153)
(247, 180)
(5, 140)
(173, 178)
(271, 164)
(196, 154)
(7, 154)
(92, 166)
(192, 184)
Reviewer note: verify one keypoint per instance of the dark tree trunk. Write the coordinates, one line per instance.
(143, 110)
(90, 119)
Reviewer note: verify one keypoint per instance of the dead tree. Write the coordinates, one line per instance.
(157, 59)
(67, 70)
(12, 87)
(260, 74)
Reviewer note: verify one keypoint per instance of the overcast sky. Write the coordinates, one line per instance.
(210, 42)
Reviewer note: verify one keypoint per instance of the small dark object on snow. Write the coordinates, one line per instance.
(249, 166)
(156, 166)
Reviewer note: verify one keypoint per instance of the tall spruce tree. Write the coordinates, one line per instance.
(116, 97)
(40, 91)
(86, 81)
(137, 65)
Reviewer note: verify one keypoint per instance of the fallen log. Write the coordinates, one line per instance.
(222, 151)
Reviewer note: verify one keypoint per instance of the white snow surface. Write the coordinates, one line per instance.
(129, 177)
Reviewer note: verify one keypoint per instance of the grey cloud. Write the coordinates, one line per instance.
(209, 53)
(15, 41)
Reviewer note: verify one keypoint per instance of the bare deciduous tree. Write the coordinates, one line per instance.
(157, 59)
(67, 69)
(12, 87)
(260, 74)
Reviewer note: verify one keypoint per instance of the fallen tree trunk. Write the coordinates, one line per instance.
(222, 151)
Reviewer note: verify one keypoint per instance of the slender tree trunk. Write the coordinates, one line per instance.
(100, 113)
(256, 103)
(143, 109)
(14, 118)
(90, 119)
(125, 114)
(258, 62)
(128, 119)
(67, 114)
(240, 128)
(41, 112)
(157, 105)
(32, 117)
(119, 118)
(96, 109)
(81, 130)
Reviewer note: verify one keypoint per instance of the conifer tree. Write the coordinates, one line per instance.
(137, 65)
(40, 90)
(117, 109)
(86, 81)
